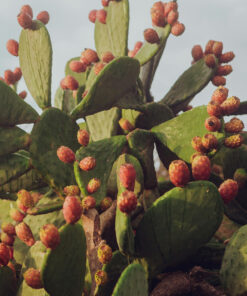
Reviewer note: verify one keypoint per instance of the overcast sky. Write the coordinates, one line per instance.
(71, 32)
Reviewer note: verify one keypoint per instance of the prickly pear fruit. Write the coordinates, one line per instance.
(9, 77)
(105, 203)
(127, 176)
(209, 47)
(93, 185)
(151, 36)
(158, 18)
(104, 253)
(18, 73)
(179, 173)
(83, 137)
(23, 94)
(88, 202)
(49, 236)
(16, 215)
(25, 20)
(209, 141)
(226, 57)
(70, 82)
(240, 176)
(212, 124)
(228, 190)
(169, 7)
(235, 125)
(87, 163)
(4, 254)
(77, 66)
(100, 277)
(101, 16)
(8, 228)
(177, 29)
(90, 55)
(107, 57)
(172, 17)
(44, 17)
(72, 209)
(224, 70)
(25, 234)
(201, 168)
(127, 202)
(27, 9)
(33, 278)
(25, 198)
(217, 48)
(234, 141)
(65, 154)
(218, 80)
(7, 239)
(197, 52)
(210, 60)
(98, 67)
(71, 190)
(12, 47)
(197, 144)
(214, 109)
(230, 105)
(92, 15)
(220, 95)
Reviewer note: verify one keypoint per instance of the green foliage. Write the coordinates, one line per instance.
(7, 281)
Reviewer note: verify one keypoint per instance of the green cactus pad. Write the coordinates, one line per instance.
(29, 180)
(13, 139)
(35, 53)
(103, 124)
(123, 228)
(16, 111)
(7, 281)
(113, 36)
(5, 206)
(54, 129)
(64, 100)
(175, 135)
(113, 269)
(132, 282)
(191, 82)
(234, 264)
(112, 83)
(64, 268)
(148, 50)
(178, 223)
(12, 166)
(141, 145)
(105, 152)
(80, 77)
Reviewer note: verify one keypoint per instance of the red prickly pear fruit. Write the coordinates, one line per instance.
(201, 168)
(177, 29)
(36, 196)
(240, 176)
(209, 141)
(104, 253)
(25, 20)
(197, 52)
(197, 144)
(158, 6)
(226, 57)
(101, 16)
(158, 18)
(98, 67)
(224, 70)
(8, 228)
(18, 74)
(219, 80)
(32, 278)
(27, 9)
(16, 215)
(126, 125)
(107, 57)
(210, 60)
(172, 17)
(93, 185)
(179, 173)
(25, 198)
(228, 190)
(230, 105)
(92, 15)
(217, 48)
(214, 109)
(100, 277)
(43, 17)
(49, 236)
(234, 141)
(151, 36)
(88, 202)
(127, 202)
(7, 239)
(71, 190)
(4, 254)
(72, 209)
(21, 207)
(62, 84)
(83, 137)
(9, 77)
(127, 176)
(23, 94)
(170, 6)
(65, 154)
(90, 56)
(105, 203)
(105, 3)
(24, 233)
(70, 82)
(77, 66)
(212, 124)
(194, 155)
(220, 95)
(87, 163)
(12, 47)
(209, 47)
(235, 125)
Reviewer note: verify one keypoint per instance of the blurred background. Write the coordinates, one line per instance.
(71, 32)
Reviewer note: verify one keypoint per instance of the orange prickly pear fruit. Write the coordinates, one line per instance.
(25, 20)
(4, 254)
(43, 17)
(72, 209)
(151, 36)
(12, 47)
(27, 9)
(88, 202)
(197, 52)
(24, 233)
(49, 236)
(177, 29)
(179, 173)
(127, 176)
(83, 137)
(104, 253)
(93, 185)
(33, 278)
(127, 202)
(87, 163)
(65, 154)
(71, 190)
